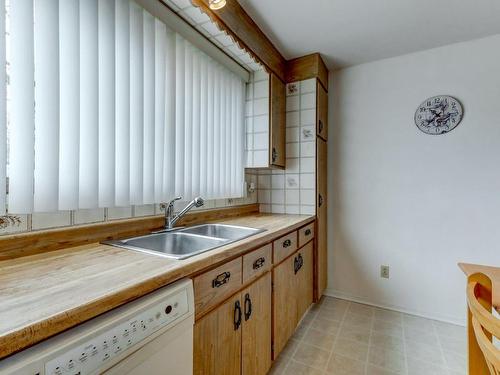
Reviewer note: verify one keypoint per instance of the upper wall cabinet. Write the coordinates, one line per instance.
(265, 121)
(322, 112)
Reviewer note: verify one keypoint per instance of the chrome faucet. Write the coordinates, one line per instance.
(171, 219)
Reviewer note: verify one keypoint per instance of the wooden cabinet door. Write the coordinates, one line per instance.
(304, 279)
(322, 112)
(217, 340)
(277, 124)
(284, 304)
(321, 213)
(256, 333)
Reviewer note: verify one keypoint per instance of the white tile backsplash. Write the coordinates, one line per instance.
(261, 89)
(293, 191)
(50, 220)
(88, 216)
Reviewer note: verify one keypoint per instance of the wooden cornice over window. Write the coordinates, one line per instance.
(235, 21)
(306, 67)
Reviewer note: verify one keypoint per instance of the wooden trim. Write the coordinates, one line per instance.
(237, 23)
(30, 243)
(305, 67)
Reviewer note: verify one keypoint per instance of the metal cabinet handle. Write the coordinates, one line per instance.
(221, 279)
(259, 263)
(320, 200)
(307, 232)
(237, 315)
(248, 307)
(274, 154)
(287, 243)
(320, 126)
(298, 262)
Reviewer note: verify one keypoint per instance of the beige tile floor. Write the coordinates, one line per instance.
(339, 337)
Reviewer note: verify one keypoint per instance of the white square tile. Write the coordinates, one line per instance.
(277, 171)
(249, 141)
(307, 196)
(249, 108)
(13, 224)
(292, 150)
(292, 197)
(308, 101)
(119, 213)
(50, 220)
(260, 75)
(308, 117)
(225, 40)
(249, 91)
(308, 85)
(249, 124)
(307, 149)
(307, 210)
(235, 50)
(261, 89)
(196, 15)
(292, 103)
(292, 165)
(307, 165)
(307, 181)
(265, 208)
(308, 133)
(292, 88)
(278, 181)
(292, 119)
(261, 124)
(182, 3)
(211, 28)
(261, 141)
(292, 135)
(277, 197)
(264, 182)
(249, 159)
(292, 181)
(264, 196)
(278, 209)
(88, 216)
(261, 106)
(292, 209)
(144, 210)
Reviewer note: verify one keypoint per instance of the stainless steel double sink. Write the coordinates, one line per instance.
(186, 242)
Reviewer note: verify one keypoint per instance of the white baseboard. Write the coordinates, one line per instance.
(429, 315)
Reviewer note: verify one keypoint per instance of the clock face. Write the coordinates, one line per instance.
(438, 115)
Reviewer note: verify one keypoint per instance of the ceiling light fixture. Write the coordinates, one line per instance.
(216, 4)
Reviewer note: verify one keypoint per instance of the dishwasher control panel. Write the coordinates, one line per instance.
(93, 354)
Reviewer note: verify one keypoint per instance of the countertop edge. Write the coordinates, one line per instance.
(19, 339)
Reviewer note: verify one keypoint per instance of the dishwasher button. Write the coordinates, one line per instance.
(168, 309)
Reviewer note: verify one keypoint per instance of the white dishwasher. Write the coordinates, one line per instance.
(152, 335)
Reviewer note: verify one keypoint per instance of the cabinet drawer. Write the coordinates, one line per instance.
(257, 262)
(213, 287)
(306, 234)
(284, 247)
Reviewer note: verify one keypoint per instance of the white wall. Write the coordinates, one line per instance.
(415, 202)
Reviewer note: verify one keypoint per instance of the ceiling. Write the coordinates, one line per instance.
(351, 32)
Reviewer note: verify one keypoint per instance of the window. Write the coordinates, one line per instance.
(126, 111)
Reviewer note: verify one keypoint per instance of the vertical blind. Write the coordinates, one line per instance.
(105, 106)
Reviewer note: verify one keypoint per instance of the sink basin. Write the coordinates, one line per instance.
(187, 242)
(228, 232)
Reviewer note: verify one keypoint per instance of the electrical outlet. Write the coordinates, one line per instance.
(384, 272)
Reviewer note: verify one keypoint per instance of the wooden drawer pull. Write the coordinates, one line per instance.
(221, 279)
(259, 263)
(287, 243)
(308, 232)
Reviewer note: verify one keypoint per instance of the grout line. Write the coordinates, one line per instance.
(440, 346)
(405, 351)
(337, 336)
(369, 342)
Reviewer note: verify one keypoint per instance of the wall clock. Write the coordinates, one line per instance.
(438, 115)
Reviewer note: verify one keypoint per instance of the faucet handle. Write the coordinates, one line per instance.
(164, 205)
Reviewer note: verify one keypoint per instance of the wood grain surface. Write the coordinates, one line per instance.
(44, 294)
(492, 272)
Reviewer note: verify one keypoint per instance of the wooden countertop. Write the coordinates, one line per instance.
(492, 272)
(44, 294)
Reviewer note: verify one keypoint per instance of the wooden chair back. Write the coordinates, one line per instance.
(485, 325)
